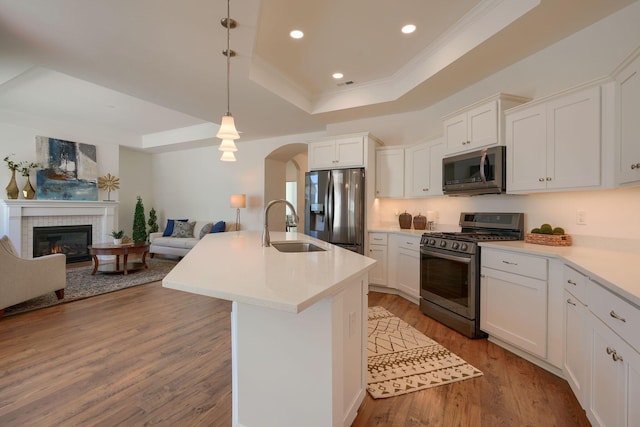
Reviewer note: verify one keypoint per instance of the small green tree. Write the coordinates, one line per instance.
(153, 221)
(139, 223)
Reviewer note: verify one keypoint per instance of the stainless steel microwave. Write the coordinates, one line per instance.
(478, 172)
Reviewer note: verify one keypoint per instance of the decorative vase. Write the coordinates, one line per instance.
(12, 188)
(28, 192)
(117, 241)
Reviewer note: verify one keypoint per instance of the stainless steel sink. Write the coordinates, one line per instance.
(294, 246)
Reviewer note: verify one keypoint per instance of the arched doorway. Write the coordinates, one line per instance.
(292, 158)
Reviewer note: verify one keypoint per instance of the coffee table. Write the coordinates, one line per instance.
(125, 250)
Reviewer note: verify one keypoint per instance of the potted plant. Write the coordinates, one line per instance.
(117, 237)
(139, 223)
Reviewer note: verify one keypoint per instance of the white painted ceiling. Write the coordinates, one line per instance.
(150, 74)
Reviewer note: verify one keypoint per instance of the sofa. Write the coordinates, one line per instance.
(23, 279)
(179, 236)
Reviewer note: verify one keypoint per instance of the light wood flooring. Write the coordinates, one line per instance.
(153, 356)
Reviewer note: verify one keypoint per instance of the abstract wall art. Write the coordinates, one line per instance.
(70, 170)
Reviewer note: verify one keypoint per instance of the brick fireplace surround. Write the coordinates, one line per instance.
(18, 217)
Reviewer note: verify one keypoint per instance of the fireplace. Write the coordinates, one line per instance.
(71, 240)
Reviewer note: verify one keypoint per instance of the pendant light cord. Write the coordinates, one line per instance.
(228, 55)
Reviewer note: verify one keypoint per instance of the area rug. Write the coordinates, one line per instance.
(401, 359)
(81, 284)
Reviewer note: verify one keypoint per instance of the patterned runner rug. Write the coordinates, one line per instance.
(402, 359)
(81, 284)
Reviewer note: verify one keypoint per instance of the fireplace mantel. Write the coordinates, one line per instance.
(17, 218)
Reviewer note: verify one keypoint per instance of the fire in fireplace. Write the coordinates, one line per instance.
(71, 240)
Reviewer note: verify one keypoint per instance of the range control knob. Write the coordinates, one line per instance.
(455, 245)
(443, 244)
(464, 247)
(432, 242)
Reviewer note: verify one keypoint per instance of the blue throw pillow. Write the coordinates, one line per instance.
(168, 230)
(219, 227)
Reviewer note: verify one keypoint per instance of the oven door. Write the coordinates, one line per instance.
(450, 280)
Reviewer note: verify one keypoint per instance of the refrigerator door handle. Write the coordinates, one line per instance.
(329, 201)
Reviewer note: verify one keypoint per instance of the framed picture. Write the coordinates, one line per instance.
(70, 170)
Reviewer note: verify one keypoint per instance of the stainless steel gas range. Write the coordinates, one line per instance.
(450, 268)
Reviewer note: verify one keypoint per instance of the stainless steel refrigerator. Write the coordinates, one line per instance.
(334, 207)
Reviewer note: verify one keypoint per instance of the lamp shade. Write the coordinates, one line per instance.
(238, 201)
(227, 128)
(227, 145)
(227, 156)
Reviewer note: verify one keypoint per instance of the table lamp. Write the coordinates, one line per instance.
(238, 201)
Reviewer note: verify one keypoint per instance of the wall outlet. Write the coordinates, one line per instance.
(581, 218)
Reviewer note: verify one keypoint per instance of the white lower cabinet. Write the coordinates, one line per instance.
(514, 309)
(378, 251)
(409, 272)
(576, 352)
(614, 373)
(404, 264)
(513, 299)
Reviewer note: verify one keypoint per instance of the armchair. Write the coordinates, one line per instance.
(23, 279)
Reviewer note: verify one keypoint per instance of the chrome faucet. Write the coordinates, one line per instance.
(266, 240)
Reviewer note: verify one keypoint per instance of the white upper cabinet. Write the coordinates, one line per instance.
(555, 144)
(478, 125)
(414, 171)
(423, 169)
(337, 153)
(628, 124)
(390, 172)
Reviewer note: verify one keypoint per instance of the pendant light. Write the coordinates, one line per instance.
(227, 132)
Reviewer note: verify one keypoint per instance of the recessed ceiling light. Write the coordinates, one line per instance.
(337, 75)
(296, 34)
(408, 29)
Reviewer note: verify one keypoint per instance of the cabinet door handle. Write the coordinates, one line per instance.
(571, 282)
(425, 189)
(410, 243)
(617, 316)
(510, 263)
(377, 238)
(548, 178)
(541, 179)
(614, 355)
(571, 302)
(635, 166)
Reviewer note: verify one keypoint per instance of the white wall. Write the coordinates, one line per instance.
(21, 141)
(135, 180)
(195, 184)
(609, 213)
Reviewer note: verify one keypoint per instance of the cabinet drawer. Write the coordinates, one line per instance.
(575, 283)
(411, 243)
(620, 315)
(524, 265)
(377, 238)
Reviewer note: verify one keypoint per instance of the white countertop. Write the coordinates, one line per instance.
(616, 270)
(234, 266)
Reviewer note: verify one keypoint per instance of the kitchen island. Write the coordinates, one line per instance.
(298, 325)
